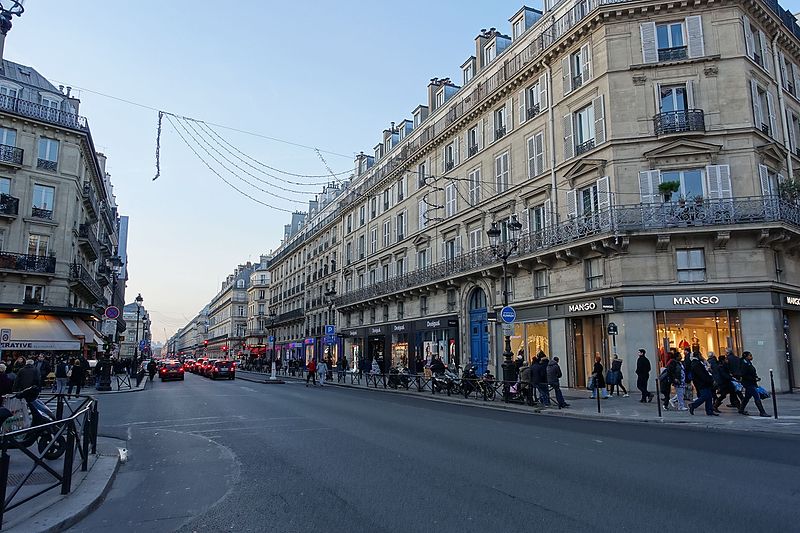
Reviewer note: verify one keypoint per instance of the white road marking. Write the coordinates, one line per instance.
(248, 389)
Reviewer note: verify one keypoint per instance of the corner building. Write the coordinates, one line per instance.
(575, 123)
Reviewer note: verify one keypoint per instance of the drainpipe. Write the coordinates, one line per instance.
(552, 140)
(782, 104)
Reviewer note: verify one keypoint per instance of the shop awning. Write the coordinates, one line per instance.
(81, 329)
(39, 333)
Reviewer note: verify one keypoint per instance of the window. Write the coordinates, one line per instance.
(8, 137)
(509, 287)
(240, 310)
(361, 246)
(763, 109)
(440, 98)
(673, 98)
(34, 294)
(452, 299)
(518, 28)
(576, 69)
(401, 189)
(422, 173)
(373, 241)
(423, 305)
(536, 155)
(533, 103)
(489, 53)
(473, 141)
(43, 197)
(401, 226)
(501, 173)
(362, 215)
(48, 154)
(474, 187)
(691, 264)
(387, 232)
(469, 73)
(450, 155)
(475, 239)
(401, 309)
(423, 214)
(540, 283)
(451, 248)
(385, 272)
(51, 102)
(450, 203)
(348, 285)
(794, 133)
(361, 281)
(537, 218)
(400, 266)
(500, 123)
(373, 276)
(5, 185)
(422, 259)
(38, 244)
(691, 181)
(349, 223)
(386, 199)
(240, 284)
(348, 253)
(373, 208)
(372, 315)
(584, 130)
(11, 92)
(261, 309)
(670, 41)
(385, 312)
(594, 273)
(755, 44)
(789, 75)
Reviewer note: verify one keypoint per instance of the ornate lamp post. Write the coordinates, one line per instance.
(330, 297)
(504, 243)
(139, 301)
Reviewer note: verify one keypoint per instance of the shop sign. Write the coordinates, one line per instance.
(309, 341)
(792, 300)
(398, 328)
(40, 345)
(375, 331)
(350, 333)
(695, 300)
(582, 307)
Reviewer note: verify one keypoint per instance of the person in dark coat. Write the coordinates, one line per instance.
(726, 387)
(151, 369)
(750, 381)
(704, 383)
(687, 370)
(6, 384)
(616, 371)
(599, 381)
(554, 381)
(78, 375)
(643, 375)
(524, 373)
(27, 376)
(735, 365)
(544, 392)
(43, 367)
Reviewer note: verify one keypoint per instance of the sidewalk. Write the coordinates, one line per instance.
(616, 408)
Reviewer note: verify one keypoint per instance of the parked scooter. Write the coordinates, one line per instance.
(398, 377)
(486, 385)
(469, 380)
(40, 415)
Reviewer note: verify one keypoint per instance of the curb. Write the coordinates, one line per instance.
(565, 413)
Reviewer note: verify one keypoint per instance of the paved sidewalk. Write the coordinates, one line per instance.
(616, 408)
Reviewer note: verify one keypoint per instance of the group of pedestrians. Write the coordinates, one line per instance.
(23, 373)
(541, 375)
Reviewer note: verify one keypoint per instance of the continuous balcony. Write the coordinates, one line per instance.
(289, 316)
(87, 241)
(31, 264)
(617, 221)
(42, 113)
(90, 202)
(679, 121)
(82, 280)
(9, 206)
(11, 155)
(532, 111)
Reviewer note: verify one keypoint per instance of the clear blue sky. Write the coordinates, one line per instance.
(332, 75)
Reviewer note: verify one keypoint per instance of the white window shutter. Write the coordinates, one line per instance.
(548, 213)
(649, 44)
(690, 94)
(543, 92)
(480, 135)
(763, 176)
(694, 32)
(531, 157)
(526, 220)
(599, 121)
(458, 245)
(771, 114)
(538, 152)
(510, 115)
(725, 189)
(566, 74)
(765, 59)
(586, 61)
(792, 140)
(648, 186)
(718, 179)
(749, 44)
(491, 128)
(796, 77)
(572, 203)
(457, 150)
(523, 115)
(569, 145)
(758, 115)
(782, 67)
(603, 193)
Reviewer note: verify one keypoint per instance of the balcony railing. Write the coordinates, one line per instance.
(9, 205)
(448, 165)
(10, 154)
(673, 54)
(472, 150)
(584, 147)
(644, 218)
(577, 81)
(88, 240)
(79, 274)
(499, 133)
(532, 111)
(289, 315)
(38, 212)
(41, 112)
(679, 121)
(765, 129)
(46, 164)
(90, 201)
(28, 263)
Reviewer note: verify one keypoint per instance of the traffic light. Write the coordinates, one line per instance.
(205, 343)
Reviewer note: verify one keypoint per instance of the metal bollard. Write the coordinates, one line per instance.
(95, 424)
(60, 407)
(87, 422)
(658, 397)
(772, 391)
(4, 463)
(597, 393)
(66, 484)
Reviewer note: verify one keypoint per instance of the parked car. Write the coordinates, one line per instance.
(171, 370)
(223, 369)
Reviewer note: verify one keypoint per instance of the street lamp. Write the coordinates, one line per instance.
(9, 8)
(330, 296)
(139, 301)
(503, 244)
(272, 317)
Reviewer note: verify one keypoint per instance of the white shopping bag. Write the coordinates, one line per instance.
(20, 416)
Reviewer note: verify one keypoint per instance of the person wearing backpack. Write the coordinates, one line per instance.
(616, 371)
(311, 368)
(643, 376)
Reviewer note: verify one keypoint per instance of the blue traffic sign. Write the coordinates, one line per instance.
(508, 314)
(271, 338)
(330, 330)
(330, 339)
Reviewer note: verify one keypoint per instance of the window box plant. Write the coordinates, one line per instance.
(667, 188)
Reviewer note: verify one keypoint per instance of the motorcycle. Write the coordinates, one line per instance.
(469, 380)
(40, 415)
(447, 381)
(486, 385)
(398, 377)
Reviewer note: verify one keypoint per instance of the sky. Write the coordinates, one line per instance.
(328, 75)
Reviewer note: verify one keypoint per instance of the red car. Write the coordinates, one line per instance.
(171, 370)
(222, 369)
(188, 365)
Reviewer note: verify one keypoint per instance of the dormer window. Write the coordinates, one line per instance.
(9, 90)
(51, 101)
(469, 73)
(387, 145)
(417, 119)
(489, 53)
(518, 29)
(440, 98)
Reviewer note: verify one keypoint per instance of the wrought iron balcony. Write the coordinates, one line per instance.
(11, 155)
(46, 164)
(88, 242)
(41, 112)
(584, 147)
(614, 221)
(577, 81)
(32, 301)
(39, 264)
(295, 314)
(38, 212)
(9, 206)
(673, 54)
(472, 150)
(679, 121)
(448, 165)
(499, 133)
(108, 216)
(81, 278)
(532, 111)
(90, 201)
(765, 129)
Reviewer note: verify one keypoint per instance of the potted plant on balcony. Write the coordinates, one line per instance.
(789, 191)
(698, 200)
(667, 188)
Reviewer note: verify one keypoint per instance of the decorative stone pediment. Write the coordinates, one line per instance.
(585, 166)
(421, 240)
(682, 151)
(772, 155)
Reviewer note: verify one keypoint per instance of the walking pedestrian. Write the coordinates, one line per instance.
(61, 376)
(734, 364)
(687, 372)
(544, 393)
(553, 380)
(27, 376)
(322, 368)
(704, 383)
(43, 367)
(750, 381)
(151, 370)
(677, 375)
(599, 381)
(77, 376)
(6, 384)
(536, 376)
(311, 368)
(643, 376)
(616, 371)
(726, 385)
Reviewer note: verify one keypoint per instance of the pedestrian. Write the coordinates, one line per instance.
(677, 376)
(643, 376)
(525, 381)
(750, 381)
(419, 364)
(704, 383)
(536, 376)
(687, 369)
(27, 376)
(329, 367)
(43, 367)
(734, 364)
(544, 392)
(61, 376)
(616, 371)
(151, 370)
(726, 385)
(599, 381)
(311, 368)
(322, 368)
(6, 384)
(554, 381)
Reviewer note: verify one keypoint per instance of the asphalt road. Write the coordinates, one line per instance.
(239, 456)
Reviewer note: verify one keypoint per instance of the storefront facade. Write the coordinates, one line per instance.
(48, 335)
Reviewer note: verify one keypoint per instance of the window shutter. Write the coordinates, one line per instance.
(572, 204)
(725, 189)
(457, 150)
(543, 92)
(792, 140)
(444, 160)
(780, 180)
(444, 249)
(771, 113)
(649, 45)
(538, 152)
(648, 186)
(796, 77)
(569, 146)
(548, 208)
(763, 176)
(510, 115)
(694, 32)
(718, 178)
(758, 117)
(491, 127)
(690, 94)
(531, 157)
(458, 245)
(603, 194)
(526, 220)
(749, 45)
(599, 121)
(765, 59)
(523, 115)
(782, 67)
(566, 74)
(480, 135)
(586, 61)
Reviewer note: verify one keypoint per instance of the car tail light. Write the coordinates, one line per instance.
(181, 369)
